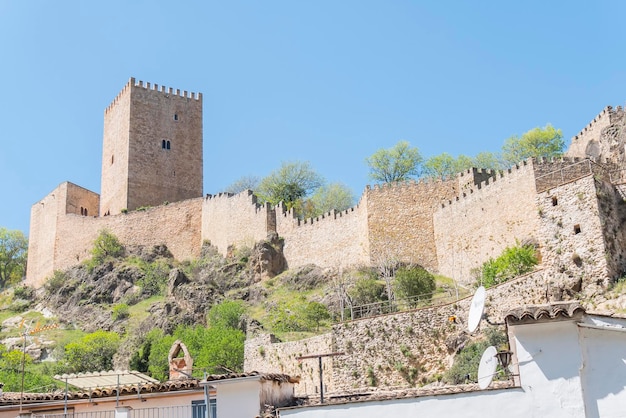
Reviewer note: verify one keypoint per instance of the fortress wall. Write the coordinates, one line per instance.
(263, 352)
(573, 233)
(400, 220)
(43, 234)
(235, 220)
(79, 198)
(336, 239)
(176, 225)
(483, 221)
(590, 141)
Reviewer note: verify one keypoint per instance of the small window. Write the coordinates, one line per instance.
(163, 144)
(112, 159)
(168, 145)
(175, 116)
(82, 211)
(198, 408)
(555, 201)
(576, 229)
(86, 214)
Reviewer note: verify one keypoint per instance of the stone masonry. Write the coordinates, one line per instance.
(151, 160)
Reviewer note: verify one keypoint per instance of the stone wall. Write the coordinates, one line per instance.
(152, 147)
(235, 220)
(336, 239)
(68, 238)
(588, 142)
(483, 221)
(571, 235)
(263, 352)
(400, 220)
(396, 350)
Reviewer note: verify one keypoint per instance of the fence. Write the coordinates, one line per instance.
(398, 305)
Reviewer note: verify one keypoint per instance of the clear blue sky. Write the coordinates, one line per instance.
(329, 82)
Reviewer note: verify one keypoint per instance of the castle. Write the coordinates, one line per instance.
(152, 193)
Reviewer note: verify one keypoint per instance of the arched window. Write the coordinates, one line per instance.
(168, 145)
(163, 144)
(86, 212)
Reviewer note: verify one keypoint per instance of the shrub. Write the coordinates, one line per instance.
(228, 314)
(120, 311)
(466, 362)
(411, 282)
(315, 313)
(105, 246)
(23, 292)
(56, 282)
(94, 352)
(513, 261)
(367, 290)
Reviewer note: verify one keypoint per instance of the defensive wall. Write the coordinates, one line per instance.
(235, 220)
(482, 221)
(336, 239)
(588, 143)
(400, 220)
(394, 350)
(65, 239)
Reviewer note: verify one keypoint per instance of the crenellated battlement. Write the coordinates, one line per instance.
(494, 176)
(603, 119)
(169, 91)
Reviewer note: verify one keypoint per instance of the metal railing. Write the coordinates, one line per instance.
(91, 414)
(398, 305)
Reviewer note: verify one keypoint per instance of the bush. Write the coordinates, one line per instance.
(467, 361)
(120, 311)
(315, 313)
(105, 246)
(367, 290)
(94, 352)
(23, 292)
(56, 282)
(513, 262)
(228, 314)
(412, 282)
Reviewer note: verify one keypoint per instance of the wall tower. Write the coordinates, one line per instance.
(152, 148)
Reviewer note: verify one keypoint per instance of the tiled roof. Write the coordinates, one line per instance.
(13, 398)
(352, 397)
(527, 314)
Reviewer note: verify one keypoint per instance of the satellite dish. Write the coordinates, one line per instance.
(476, 309)
(487, 367)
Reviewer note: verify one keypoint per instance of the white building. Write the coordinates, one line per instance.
(566, 363)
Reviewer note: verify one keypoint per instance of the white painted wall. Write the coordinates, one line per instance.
(238, 398)
(604, 371)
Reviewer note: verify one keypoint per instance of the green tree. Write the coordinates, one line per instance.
(92, 353)
(367, 290)
(13, 255)
(538, 142)
(440, 166)
(228, 314)
(106, 245)
(243, 183)
(290, 184)
(335, 196)
(11, 373)
(398, 163)
(414, 281)
(315, 313)
(488, 160)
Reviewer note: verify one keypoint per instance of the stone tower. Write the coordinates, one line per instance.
(152, 148)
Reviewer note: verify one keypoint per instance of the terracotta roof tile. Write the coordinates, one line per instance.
(544, 312)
